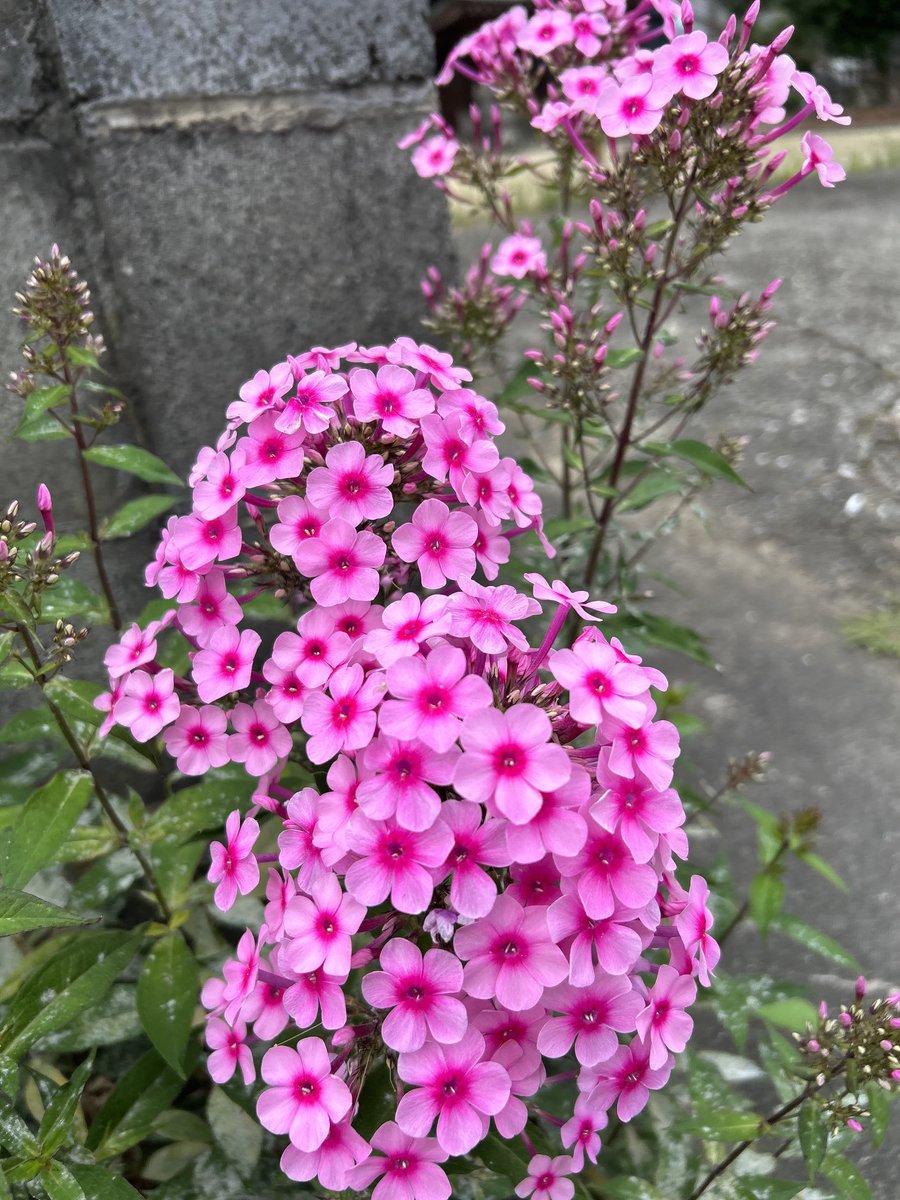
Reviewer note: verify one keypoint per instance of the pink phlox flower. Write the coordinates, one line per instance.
(234, 866)
(611, 940)
(420, 991)
(637, 811)
(589, 28)
(552, 115)
(434, 363)
(399, 781)
(259, 739)
(439, 542)
(486, 615)
(591, 1017)
(654, 678)
(628, 1078)
(297, 521)
(491, 547)
(213, 608)
(605, 874)
(582, 86)
(261, 393)
(241, 975)
(338, 805)
(633, 107)
(599, 685)
(356, 618)
(547, 1178)
(535, 884)
(303, 1097)
(519, 255)
(818, 157)
(405, 625)
(311, 407)
(670, 11)
(212, 995)
(342, 562)
(389, 397)
(279, 890)
(265, 1009)
(344, 718)
(772, 91)
(510, 955)
(315, 651)
(225, 665)
(556, 828)
(222, 487)
(297, 845)
(689, 64)
(693, 924)
(646, 750)
(352, 485)
(508, 760)
(135, 648)
(489, 492)
(320, 928)
(511, 1038)
(813, 93)
(331, 1164)
(663, 1021)
(559, 592)
(545, 32)
(106, 703)
(205, 456)
(416, 136)
(198, 740)
(450, 453)
(453, 1085)
(268, 453)
(316, 995)
(475, 845)
(395, 862)
(229, 1051)
(581, 1133)
(148, 704)
(526, 503)
(286, 695)
(435, 156)
(641, 62)
(432, 696)
(478, 417)
(202, 542)
(406, 1168)
(322, 358)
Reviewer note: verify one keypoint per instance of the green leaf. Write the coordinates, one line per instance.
(99, 1184)
(42, 828)
(107, 879)
(813, 1134)
(658, 482)
(200, 808)
(179, 1125)
(629, 1187)
(81, 356)
(239, 1137)
(792, 1013)
(41, 399)
(879, 1112)
(143, 1092)
(135, 515)
(117, 1021)
(766, 898)
(764, 1187)
(626, 357)
(75, 698)
(60, 1112)
(644, 630)
(59, 1183)
(135, 460)
(825, 869)
(77, 977)
(20, 913)
(12, 606)
(69, 597)
(14, 676)
(845, 1178)
(167, 992)
(813, 939)
(707, 460)
(41, 428)
(15, 1136)
(722, 1126)
(506, 1158)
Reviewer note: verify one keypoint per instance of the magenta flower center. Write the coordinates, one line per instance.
(508, 759)
(634, 106)
(688, 64)
(305, 1088)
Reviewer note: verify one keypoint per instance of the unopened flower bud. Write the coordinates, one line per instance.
(782, 40)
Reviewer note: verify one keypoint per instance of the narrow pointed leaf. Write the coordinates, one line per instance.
(813, 1135)
(135, 515)
(20, 913)
(167, 992)
(135, 461)
(61, 1110)
(43, 826)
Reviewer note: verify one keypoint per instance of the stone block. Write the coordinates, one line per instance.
(18, 59)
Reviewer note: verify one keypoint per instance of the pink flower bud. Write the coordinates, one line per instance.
(45, 507)
(854, 1125)
(782, 40)
(728, 32)
(687, 15)
(860, 987)
(613, 322)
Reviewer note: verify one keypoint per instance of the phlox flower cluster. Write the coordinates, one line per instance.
(477, 886)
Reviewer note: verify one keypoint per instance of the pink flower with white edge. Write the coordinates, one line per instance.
(320, 928)
(213, 608)
(352, 485)
(689, 65)
(261, 393)
(226, 664)
(198, 740)
(631, 108)
(559, 592)
(229, 1051)
(508, 760)
(241, 975)
(419, 990)
(148, 704)
(510, 955)
(201, 542)
(545, 32)
(406, 1168)
(259, 739)
(547, 1178)
(693, 924)
(599, 685)
(268, 453)
(486, 615)
(234, 866)
(436, 364)
(476, 845)
(432, 696)
(399, 783)
(405, 625)
(435, 156)
(519, 255)
(450, 453)
(222, 488)
(332, 1162)
(627, 1078)
(344, 718)
(342, 562)
(135, 648)
(491, 547)
(390, 397)
(315, 651)
(395, 862)
(311, 407)
(591, 1017)
(648, 749)
(605, 874)
(453, 1085)
(581, 1133)
(663, 1022)
(297, 521)
(637, 811)
(611, 940)
(818, 157)
(303, 1098)
(297, 844)
(439, 542)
